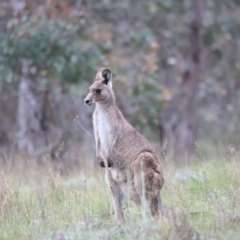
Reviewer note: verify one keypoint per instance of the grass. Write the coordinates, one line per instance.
(202, 201)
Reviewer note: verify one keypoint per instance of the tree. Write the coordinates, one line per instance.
(41, 51)
(189, 86)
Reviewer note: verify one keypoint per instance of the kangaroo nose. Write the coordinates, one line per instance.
(87, 101)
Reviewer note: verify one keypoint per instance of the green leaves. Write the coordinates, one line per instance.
(52, 46)
(144, 95)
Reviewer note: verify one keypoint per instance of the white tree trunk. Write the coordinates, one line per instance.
(38, 132)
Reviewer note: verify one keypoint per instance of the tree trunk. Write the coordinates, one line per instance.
(181, 128)
(38, 131)
(190, 79)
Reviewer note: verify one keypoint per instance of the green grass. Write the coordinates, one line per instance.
(202, 201)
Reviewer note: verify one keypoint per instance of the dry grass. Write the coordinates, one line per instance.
(202, 201)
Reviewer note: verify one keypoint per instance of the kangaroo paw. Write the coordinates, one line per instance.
(110, 164)
(102, 164)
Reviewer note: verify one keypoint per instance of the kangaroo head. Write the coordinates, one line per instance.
(101, 90)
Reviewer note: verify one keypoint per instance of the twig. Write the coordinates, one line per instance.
(78, 122)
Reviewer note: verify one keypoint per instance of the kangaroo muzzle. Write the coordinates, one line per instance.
(87, 102)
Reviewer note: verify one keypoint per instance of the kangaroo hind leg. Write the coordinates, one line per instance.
(148, 183)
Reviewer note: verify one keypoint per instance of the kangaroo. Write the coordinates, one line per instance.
(132, 168)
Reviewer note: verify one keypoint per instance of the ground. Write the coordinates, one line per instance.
(201, 201)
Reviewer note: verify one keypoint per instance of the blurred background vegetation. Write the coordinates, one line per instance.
(176, 67)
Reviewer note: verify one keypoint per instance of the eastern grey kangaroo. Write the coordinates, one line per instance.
(132, 167)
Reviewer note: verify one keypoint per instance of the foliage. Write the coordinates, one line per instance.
(157, 46)
(55, 47)
(148, 47)
(147, 95)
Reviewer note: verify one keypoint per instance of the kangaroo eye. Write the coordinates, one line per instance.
(98, 91)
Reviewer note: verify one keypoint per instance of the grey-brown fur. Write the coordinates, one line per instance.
(133, 169)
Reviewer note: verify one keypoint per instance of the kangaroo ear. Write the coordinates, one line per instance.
(107, 77)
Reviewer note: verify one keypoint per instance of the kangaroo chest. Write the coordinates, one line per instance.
(103, 128)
